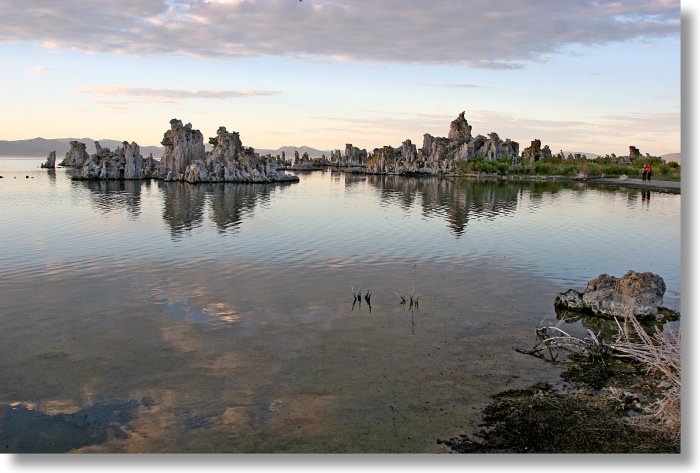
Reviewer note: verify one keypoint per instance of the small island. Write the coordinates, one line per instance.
(185, 159)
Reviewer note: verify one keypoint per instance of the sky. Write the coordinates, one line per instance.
(588, 76)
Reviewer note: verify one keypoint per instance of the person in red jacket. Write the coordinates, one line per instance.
(649, 173)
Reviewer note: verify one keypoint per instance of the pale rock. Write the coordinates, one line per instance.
(50, 161)
(639, 294)
(133, 161)
(460, 130)
(183, 145)
(76, 156)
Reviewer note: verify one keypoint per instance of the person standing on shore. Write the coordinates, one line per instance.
(649, 173)
(644, 173)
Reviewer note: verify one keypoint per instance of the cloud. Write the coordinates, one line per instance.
(36, 70)
(172, 95)
(463, 86)
(494, 34)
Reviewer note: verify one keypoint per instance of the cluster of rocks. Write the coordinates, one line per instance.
(184, 159)
(229, 161)
(638, 294)
(305, 163)
(570, 157)
(353, 157)
(440, 155)
(125, 162)
(536, 152)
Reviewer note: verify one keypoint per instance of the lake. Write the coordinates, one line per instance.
(150, 316)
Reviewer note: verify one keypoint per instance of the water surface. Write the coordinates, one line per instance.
(145, 316)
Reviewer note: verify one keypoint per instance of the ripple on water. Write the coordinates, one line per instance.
(230, 305)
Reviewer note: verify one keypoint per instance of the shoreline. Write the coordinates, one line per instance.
(673, 187)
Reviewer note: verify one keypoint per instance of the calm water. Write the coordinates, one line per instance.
(169, 317)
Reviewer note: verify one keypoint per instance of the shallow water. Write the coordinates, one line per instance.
(168, 317)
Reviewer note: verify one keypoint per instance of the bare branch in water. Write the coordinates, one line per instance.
(659, 352)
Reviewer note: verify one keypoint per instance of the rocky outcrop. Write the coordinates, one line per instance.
(76, 156)
(440, 155)
(185, 160)
(228, 161)
(50, 161)
(133, 162)
(183, 146)
(353, 157)
(639, 294)
(494, 148)
(535, 152)
(104, 164)
(634, 153)
(460, 130)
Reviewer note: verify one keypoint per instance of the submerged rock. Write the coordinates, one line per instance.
(50, 161)
(638, 294)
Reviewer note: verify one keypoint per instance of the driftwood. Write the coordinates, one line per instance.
(659, 352)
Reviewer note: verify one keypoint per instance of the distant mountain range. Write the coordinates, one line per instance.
(672, 157)
(289, 151)
(587, 155)
(40, 147)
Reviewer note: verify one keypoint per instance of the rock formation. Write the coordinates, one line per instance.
(440, 155)
(50, 161)
(460, 130)
(354, 157)
(535, 152)
(133, 162)
(76, 156)
(184, 159)
(640, 294)
(125, 162)
(183, 145)
(634, 153)
(228, 161)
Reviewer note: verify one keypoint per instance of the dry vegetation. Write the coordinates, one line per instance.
(658, 353)
(626, 397)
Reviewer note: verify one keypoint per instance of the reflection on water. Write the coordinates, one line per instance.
(183, 203)
(457, 199)
(606, 328)
(51, 173)
(183, 206)
(26, 429)
(169, 317)
(109, 196)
